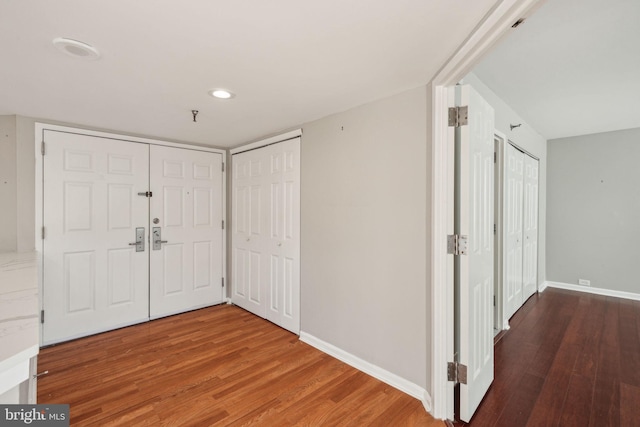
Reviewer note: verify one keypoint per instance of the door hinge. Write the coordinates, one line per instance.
(495, 157)
(458, 116)
(456, 244)
(145, 194)
(41, 316)
(42, 148)
(222, 166)
(223, 282)
(457, 373)
(495, 229)
(494, 300)
(42, 233)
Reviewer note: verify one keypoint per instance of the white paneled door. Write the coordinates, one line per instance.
(186, 230)
(513, 218)
(249, 223)
(94, 279)
(474, 219)
(266, 232)
(132, 231)
(530, 231)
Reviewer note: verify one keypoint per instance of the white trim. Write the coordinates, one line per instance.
(542, 286)
(375, 371)
(267, 141)
(499, 216)
(92, 332)
(40, 127)
(590, 290)
(442, 313)
(495, 26)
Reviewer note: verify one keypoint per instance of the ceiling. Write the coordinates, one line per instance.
(287, 61)
(573, 68)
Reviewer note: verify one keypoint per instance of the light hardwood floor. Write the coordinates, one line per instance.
(216, 366)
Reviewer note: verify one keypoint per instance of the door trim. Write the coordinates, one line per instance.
(40, 128)
(496, 25)
(267, 141)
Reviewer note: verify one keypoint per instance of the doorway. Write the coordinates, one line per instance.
(131, 230)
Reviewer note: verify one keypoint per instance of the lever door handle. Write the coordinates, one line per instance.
(157, 239)
(139, 243)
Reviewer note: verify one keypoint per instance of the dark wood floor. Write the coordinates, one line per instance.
(215, 366)
(569, 359)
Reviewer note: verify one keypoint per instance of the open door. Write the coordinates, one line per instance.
(474, 266)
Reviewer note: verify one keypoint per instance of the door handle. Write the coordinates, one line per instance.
(157, 239)
(139, 243)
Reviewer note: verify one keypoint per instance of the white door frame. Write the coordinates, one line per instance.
(39, 202)
(496, 25)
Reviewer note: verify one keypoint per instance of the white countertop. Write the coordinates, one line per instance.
(19, 309)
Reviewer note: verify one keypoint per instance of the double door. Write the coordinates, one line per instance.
(266, 232)
(521, 228)
(132, 231)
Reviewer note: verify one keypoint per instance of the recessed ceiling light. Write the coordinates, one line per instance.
(221, 93)
(76, 48)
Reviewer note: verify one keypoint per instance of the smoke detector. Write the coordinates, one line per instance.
(76, 48)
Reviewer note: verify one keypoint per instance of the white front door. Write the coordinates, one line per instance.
(514, 169)
(186, 230)
(266, 232)
(530, 232)
(94, 279)
(474, 219)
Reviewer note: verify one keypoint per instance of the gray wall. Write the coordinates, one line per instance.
(365, 214)
(8, 188)
(593, 207)
(528, 139)
(17, 184)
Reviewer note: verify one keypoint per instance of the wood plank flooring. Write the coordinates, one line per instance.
(216, 366)
(569, 359)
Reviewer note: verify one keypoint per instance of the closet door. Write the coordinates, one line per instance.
(283, 240)
(94, 278)
(530, 232)
(513, 217)
(249, 224)
(266, 232)
(185, 230)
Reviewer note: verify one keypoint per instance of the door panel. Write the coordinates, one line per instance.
(93, 279)
(513, 218)
(283, 246)
(247, 239)
(266, 232)
(474, 218)
(530, 225)
(186, 271)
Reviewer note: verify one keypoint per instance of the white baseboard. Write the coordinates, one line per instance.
(590, 290)
(377, 372)
(543, 286)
